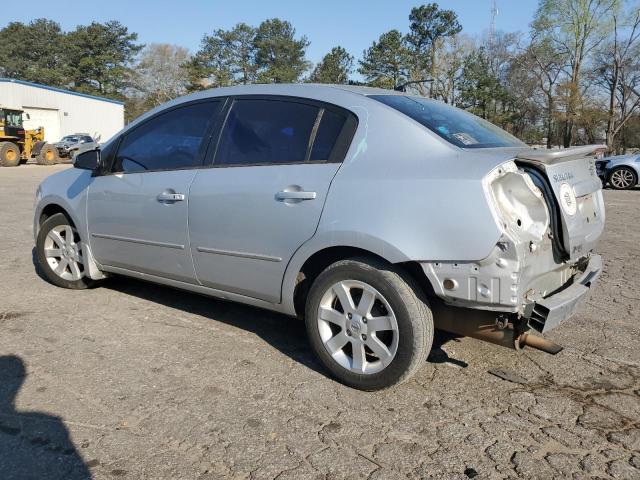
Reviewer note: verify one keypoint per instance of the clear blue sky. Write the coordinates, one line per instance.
(354, 24)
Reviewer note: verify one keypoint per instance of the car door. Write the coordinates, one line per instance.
(137, 213)
(263, 196)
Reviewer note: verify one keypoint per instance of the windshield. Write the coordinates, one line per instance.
(461, 128)
(69, 138)
(13, 118)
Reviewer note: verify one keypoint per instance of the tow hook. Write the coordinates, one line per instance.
(502, 321)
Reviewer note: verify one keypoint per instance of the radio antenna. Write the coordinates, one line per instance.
(492, 26)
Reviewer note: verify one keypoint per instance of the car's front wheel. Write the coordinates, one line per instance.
(368, 323)
(60, 254)
(623, 178)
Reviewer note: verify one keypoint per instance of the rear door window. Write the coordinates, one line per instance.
(261, 132)
(168, 141)
(329, 130)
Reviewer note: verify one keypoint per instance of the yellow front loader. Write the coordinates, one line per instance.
(19, 145)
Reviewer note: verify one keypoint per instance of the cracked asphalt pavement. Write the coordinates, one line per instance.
(138, 381)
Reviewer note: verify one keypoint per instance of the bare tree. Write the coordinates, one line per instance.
(525, 102)
(574, 28)
(158, 76)
(618, 71)
(546, 66)
(450, 60)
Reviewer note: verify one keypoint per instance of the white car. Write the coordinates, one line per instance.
(71, 145)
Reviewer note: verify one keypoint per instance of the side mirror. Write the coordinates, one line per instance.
(89, 160)
(28, 116)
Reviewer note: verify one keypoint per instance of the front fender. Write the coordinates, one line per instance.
(61, 202)
(68, 191)
(623, 162)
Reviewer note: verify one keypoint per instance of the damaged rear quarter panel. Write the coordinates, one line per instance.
(405, 186)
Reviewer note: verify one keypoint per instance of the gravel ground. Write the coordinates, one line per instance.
(139, 381)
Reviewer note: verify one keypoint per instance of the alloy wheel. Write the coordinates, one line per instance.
(358, 327)
(622, 178)
(63, 252)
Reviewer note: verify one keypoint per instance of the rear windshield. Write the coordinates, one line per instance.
(461, 128)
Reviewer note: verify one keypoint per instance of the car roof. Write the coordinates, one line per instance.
(331, 93)
(300, 89)
(360, 89)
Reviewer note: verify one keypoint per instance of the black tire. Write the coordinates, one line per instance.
(628, 172)
(9, 154)
(48, 155)
(412, 313)
(58, 220)
(38, 145)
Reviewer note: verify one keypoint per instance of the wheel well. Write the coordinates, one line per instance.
(51, 210)
(625, 167)
(323, 258)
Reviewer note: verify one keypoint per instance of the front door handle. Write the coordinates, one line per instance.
(171, 197)
(295, 195)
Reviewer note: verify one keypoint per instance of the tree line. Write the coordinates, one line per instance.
(573, 77)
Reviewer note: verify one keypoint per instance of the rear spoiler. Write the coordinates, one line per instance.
(557, 155)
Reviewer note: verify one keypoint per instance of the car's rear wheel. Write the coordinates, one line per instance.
(9, 154)
(368, 322)
(623, 178)
(60, 255)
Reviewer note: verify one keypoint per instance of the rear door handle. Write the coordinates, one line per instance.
(295, 195)
(171, 197)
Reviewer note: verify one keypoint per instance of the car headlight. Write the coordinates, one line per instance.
(517, 204)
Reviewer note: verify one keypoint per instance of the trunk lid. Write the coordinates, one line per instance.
(577, 194)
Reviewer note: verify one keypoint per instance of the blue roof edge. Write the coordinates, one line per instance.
(60, 90)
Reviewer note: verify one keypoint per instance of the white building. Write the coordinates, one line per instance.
(62, 112)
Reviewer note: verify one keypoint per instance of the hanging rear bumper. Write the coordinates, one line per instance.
(549, 312)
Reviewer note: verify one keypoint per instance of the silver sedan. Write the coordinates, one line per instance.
(363, 211)
(620, 172)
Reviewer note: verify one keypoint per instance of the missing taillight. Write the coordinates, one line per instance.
(518, 204)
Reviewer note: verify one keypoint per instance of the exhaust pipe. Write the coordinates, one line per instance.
(539, 343)
(483, 326)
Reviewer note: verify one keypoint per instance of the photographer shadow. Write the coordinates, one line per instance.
(32, 444)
